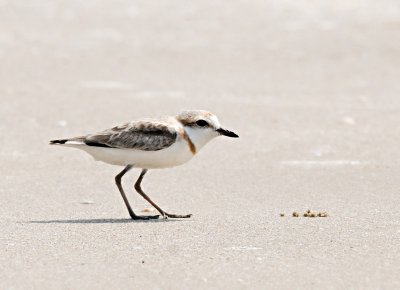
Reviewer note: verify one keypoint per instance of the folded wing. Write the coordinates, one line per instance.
(140, 135)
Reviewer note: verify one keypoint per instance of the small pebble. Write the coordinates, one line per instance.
(87, 202)
(308, 213)
(148, 210)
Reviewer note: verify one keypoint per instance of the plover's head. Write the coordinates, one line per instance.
(202, 126)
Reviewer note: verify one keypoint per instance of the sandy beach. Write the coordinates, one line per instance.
(311, 88)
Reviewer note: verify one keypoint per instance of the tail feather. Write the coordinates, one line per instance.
(61, 141)
(70, 141)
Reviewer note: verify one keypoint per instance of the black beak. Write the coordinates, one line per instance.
(227, 133)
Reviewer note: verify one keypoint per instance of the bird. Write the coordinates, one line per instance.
(150, 144)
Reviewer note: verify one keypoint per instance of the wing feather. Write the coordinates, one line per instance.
(140, 135)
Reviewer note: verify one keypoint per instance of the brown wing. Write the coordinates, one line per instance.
(140, 135)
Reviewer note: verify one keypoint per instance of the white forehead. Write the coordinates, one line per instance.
(214, 120)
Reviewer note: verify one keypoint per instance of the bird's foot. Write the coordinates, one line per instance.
(144, 217)
(176, 216)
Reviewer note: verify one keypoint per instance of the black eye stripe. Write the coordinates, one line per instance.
(201, 123)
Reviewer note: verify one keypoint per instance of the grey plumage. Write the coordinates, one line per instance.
(141, 135)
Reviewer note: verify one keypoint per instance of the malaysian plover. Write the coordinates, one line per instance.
(150, 144)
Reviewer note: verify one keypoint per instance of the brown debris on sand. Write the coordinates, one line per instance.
(308, 213)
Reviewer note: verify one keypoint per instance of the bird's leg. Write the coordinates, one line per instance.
(141, 192)
(121, 190)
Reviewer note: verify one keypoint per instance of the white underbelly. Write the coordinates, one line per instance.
(177, 154)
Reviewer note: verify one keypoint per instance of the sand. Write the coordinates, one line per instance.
(311, 88)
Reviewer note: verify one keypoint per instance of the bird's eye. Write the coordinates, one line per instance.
(201, 123)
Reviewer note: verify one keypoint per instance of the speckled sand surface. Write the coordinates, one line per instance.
(312, 88)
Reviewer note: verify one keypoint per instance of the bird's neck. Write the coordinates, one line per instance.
(197, 138)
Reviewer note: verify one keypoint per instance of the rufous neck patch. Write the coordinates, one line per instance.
(186, 137)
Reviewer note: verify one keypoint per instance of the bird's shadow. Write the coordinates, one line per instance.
(104, 221)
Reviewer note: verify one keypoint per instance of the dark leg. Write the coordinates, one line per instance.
(121, 190)
(163, 213)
